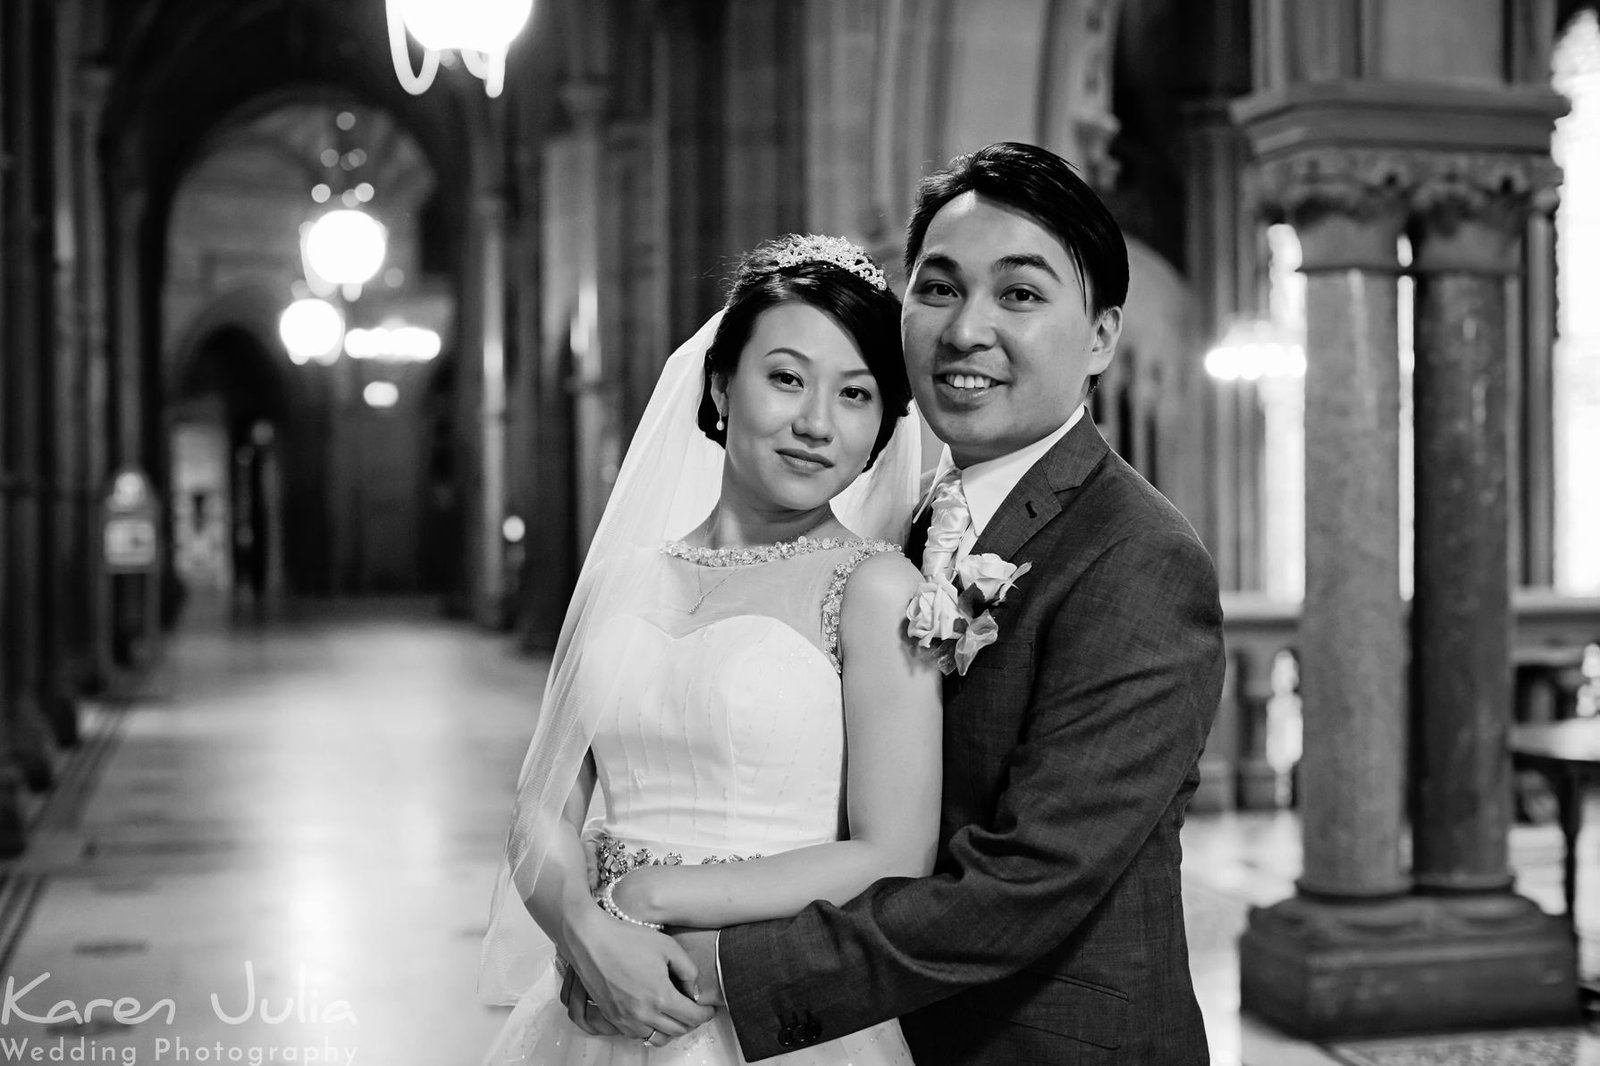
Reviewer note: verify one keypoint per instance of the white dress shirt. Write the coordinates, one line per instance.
(987, 484)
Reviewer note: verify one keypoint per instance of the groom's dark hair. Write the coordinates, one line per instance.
(1046, 188)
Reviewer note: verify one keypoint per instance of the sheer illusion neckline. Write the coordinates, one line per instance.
(756, 554)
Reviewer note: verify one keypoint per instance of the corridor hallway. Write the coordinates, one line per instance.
(321, 799)
(315, 804)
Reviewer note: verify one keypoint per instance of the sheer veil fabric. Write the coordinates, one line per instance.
(668, 483)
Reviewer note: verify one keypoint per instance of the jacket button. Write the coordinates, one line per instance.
(786, 1036)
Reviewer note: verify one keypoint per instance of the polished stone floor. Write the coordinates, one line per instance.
(281, 851)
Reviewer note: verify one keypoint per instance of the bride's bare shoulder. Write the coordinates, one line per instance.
(885, 576)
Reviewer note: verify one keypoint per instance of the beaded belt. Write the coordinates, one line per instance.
(613, 858)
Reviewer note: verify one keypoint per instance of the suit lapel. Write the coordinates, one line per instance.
(1040, 495)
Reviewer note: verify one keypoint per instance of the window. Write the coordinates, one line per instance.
(1576, 148)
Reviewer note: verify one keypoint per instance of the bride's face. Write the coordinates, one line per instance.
(802, 410)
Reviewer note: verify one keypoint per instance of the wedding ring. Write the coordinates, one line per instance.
(649, 1038)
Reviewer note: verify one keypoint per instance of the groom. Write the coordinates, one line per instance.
(1051, 930)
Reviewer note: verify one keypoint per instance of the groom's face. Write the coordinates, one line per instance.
(998, 337)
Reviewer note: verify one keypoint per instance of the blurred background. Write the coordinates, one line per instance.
(324, 325)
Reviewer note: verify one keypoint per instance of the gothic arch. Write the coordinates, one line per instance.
(958, 74)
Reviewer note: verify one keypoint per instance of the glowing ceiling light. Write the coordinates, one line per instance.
(381, 394)
(480, 30)
(312, 330)
(1253, 349)
(398, 344)
(344, 246)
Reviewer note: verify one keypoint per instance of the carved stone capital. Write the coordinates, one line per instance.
(1491, 189)
(1381, 189)
(1358, 183)
(1349, 205)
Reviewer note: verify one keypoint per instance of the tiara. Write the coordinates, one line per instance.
(835, 251)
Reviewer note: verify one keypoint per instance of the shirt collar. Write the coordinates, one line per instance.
(987, 484)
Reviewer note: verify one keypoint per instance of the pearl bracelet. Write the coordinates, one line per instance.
(609, 905)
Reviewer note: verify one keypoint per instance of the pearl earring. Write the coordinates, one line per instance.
(722, 423)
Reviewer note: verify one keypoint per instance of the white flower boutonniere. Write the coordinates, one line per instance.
(954, 613)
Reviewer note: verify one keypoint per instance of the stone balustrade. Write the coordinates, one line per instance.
(1550, 635)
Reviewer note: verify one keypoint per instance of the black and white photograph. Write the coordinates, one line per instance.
(811, 532)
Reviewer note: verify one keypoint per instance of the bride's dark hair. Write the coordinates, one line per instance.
(869, 314)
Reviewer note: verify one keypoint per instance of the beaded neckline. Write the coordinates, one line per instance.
(754, 554)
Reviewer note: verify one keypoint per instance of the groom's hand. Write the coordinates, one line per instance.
(634, 977)
(701, 947)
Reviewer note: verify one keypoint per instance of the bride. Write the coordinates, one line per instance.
(741, 691)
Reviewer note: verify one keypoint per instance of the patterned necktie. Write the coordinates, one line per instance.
(948, 528)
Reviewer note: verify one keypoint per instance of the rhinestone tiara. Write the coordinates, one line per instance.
(835, 251)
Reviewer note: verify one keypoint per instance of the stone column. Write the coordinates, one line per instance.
(13, 835)
(1471, 213)
(125, 597)
(1215, 241)
(690, 106)
(594, 414)
(540, 603)
(764, 163)
(94, 434)
(1538, 453)
(66, 590)
(1351, 633)
(127, 385)
(1354, 952)
(24, 334)
(491, 606)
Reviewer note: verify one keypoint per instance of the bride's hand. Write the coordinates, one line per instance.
(633, 975)
(584, 1011)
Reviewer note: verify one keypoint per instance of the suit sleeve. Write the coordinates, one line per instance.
(1127, 680)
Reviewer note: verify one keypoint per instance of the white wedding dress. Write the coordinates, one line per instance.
(724, 739)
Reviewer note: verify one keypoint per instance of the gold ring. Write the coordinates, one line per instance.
(649, 1038)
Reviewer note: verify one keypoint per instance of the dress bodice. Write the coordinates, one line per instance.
(724, 731)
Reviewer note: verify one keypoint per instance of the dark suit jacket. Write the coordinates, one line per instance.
(1052, 928)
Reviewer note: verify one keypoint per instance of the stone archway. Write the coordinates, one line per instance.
(340, 468)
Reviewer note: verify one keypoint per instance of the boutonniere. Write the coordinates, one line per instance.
(954, 612)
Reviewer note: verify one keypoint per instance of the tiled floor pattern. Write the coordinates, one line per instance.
(309, 814)
(284, 854)
(1548, 1047)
